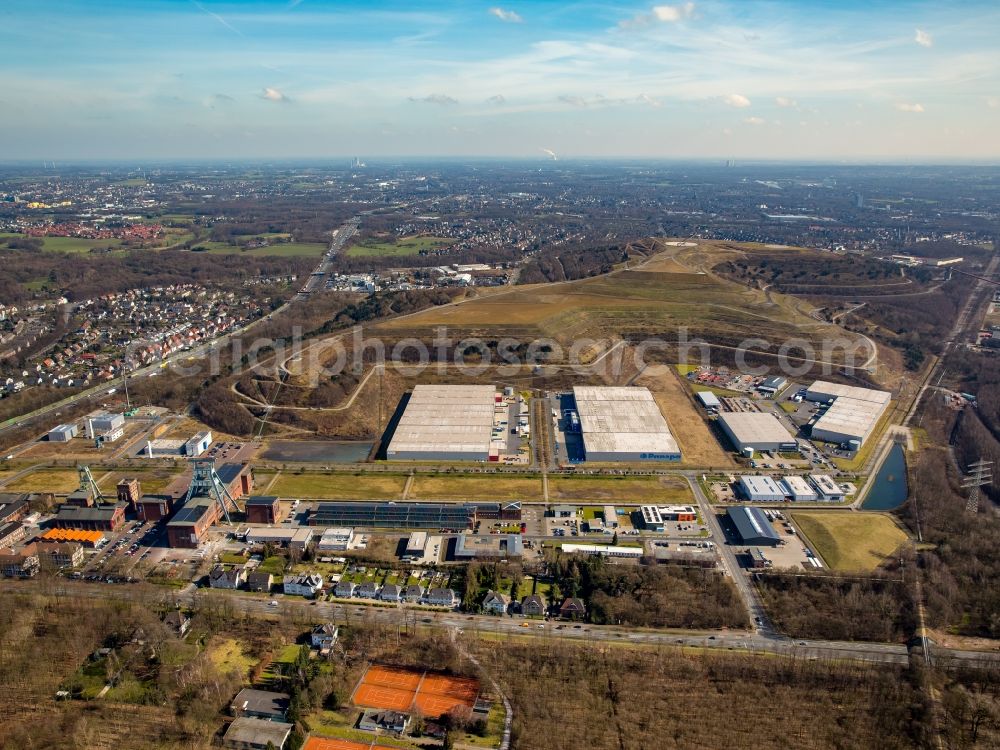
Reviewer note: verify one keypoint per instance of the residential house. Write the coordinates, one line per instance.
(442, 598)
(307, 585)
(573, 609)
(495, 603)
(59, 555)
(324, 636)
(390, 593)
(375, 720)
(221, 577)
(261, 704)
(22, 563)
(11, 533)
(413, 593)
(246, 733)
(259, 581)
(367, 590)
(533, 606)
(344, 589)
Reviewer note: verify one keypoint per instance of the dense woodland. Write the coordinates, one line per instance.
(567, 263)
(647, 596)
(962, 566)
(636, 699)
(875, 608)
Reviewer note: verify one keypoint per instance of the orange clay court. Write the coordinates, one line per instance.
(323, 743)
(400, 689)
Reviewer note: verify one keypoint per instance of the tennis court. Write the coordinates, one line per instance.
(323, 743)
(402, 689)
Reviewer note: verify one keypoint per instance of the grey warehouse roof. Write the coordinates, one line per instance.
(752, 524)
(755, 427)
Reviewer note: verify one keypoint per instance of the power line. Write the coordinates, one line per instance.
(980, 475)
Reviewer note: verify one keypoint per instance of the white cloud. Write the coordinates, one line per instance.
(784, 101)
(575, 101)
(497, 99)
(908, 107)
(993, 102)
(507, 16)
(736, 100)
(673, 13)
(273, 95)
(441, 99)
(923, 38)
(659, 14)
(645, 99)
(754, 121)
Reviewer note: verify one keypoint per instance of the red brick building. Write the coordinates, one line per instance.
(154, 507)
(263, 509)
(129, 492)
(97, 518)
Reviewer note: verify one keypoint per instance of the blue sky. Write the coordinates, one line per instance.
(785, 79)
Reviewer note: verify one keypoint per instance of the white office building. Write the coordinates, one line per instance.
(760, 489)
(798, 489)
(335, 540)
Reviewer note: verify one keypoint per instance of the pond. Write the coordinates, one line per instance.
(318, 451)
(889, 488)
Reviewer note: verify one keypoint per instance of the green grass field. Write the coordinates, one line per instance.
(68, 245)
(849, 540)
(403, 247)
(227, 656)
(279, 249)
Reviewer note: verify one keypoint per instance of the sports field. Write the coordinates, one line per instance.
(325, 743)
(403, 689)
(849, 540)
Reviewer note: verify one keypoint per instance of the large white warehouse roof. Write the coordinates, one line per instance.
(853, 413)
(622, 420)
(445, 419)
(755, 428)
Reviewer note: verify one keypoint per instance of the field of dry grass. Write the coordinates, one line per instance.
(58, 481)
(631, 490)
(699, 447)
(849, 540)
(336, 486)
(475, 488)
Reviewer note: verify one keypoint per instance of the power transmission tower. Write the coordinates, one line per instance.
(980, 475)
